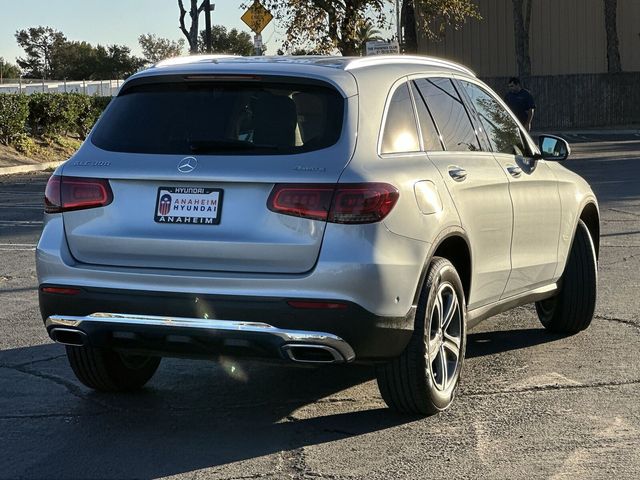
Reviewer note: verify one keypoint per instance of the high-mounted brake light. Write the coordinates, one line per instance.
(342, 203)
(75, 193)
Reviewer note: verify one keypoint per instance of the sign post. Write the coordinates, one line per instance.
(257, 17)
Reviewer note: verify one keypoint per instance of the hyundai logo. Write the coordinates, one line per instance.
(187, 165)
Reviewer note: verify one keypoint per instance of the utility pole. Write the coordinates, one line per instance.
(208, 8)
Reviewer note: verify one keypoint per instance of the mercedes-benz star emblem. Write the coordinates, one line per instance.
(187, 165)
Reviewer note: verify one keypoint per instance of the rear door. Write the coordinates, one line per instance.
(534, 193)
(477, 184)
(192, 165)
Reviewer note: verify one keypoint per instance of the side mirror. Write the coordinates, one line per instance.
(553, 148)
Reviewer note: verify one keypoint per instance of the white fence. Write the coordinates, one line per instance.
(102, 88)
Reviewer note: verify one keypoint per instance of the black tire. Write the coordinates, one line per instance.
(109, 371)
(411, 383)
(571, 310)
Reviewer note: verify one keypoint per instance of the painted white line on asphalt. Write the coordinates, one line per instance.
(17, 244)
(17, 249)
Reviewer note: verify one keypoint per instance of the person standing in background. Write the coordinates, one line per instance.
(520, 101)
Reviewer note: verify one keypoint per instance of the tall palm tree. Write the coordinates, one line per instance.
(366, 32)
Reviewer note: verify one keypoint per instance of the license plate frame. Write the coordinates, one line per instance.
(192, 205)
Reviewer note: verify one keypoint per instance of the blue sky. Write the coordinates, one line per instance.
(112, 21)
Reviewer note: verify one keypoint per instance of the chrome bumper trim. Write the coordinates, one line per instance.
(227, 329)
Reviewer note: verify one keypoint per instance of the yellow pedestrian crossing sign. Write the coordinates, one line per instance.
(257, 17)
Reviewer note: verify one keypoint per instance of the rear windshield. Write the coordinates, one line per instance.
(221, 118)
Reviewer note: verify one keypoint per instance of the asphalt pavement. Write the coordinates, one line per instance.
(531, 405)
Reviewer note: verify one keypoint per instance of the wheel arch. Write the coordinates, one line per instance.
(452, 244)
(591, 218)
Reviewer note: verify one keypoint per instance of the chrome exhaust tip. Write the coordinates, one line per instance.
(308, 353)
(68, 336)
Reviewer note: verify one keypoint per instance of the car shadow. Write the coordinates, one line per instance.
(489, 343)
(193, 415)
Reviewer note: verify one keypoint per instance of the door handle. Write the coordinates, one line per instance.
(457, 173)
(514, 171)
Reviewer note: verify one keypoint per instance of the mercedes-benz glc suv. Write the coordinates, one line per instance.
(312, 209)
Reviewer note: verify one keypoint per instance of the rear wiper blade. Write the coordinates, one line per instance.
(205, 146)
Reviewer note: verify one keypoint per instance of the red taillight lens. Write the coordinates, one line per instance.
(74, 193)
(365, 203)
(308, 201)
(342, 203)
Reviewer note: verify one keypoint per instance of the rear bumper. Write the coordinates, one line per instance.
(197, 335)
(179, 324)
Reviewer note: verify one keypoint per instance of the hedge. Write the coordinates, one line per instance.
(14, 111)
(68, 113)
(48, 114)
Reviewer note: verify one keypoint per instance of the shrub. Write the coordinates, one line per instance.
(88, 113)
(51, 113)
(14, 111)
(24, 144)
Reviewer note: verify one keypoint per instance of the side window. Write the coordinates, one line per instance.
(501, 128)
(430, 136)
(400, 132)
(449, 113)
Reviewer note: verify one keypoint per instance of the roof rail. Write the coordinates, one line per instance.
(410, 59)
(191, 59)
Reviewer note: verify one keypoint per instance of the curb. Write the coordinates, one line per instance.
(29, 168)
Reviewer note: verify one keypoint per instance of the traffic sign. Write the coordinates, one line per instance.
(257, 17)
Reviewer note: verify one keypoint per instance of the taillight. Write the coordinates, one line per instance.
(341, 203)
(75, 193)
(308, 201)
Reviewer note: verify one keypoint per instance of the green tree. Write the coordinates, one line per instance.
(73, 61)
(156, 48)
(223, 41)
(366, 32)
(116, 61)
(8, 70)
(324, 25)
(38, 44)
(329, 25)
(434, 16)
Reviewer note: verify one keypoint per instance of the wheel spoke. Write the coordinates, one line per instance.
(433, 347)
(451, 312)
(443, 367)
(439, 306)
(452, 344)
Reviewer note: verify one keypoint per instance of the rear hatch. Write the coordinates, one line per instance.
(192, 162)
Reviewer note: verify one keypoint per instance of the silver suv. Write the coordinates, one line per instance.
(313, 209)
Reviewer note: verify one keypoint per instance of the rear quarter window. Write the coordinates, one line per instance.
(221, 118)
(400, 132)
